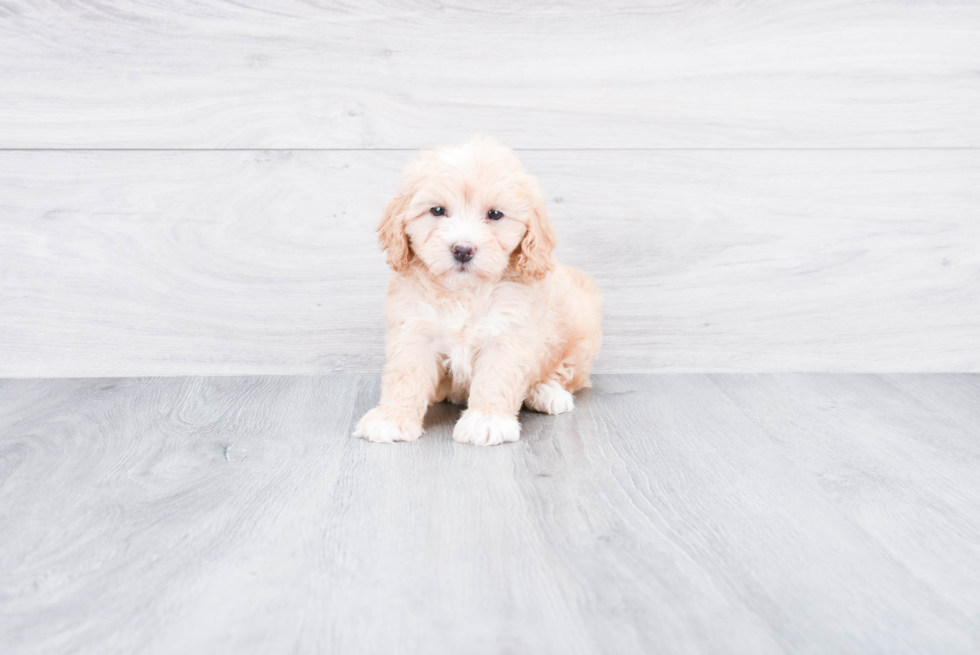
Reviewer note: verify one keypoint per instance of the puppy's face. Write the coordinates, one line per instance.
(469, 214)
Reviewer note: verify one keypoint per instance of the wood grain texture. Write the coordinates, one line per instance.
(169, 263)
(669, 514)
(667, 73)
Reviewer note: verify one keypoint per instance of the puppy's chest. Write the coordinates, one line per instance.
(461, 332)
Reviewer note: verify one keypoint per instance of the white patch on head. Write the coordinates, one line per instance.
(460, 230)
(482, 429)
(458, 156)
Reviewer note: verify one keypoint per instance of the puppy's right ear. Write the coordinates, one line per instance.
(391, 231)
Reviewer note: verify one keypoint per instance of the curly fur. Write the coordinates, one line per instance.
(509, 326)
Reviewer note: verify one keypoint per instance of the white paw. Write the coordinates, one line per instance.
(376, 426)
(482, 429)
(549, 398)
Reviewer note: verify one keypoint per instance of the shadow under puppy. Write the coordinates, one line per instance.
(478, 310)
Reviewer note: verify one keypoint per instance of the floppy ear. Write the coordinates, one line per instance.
(391, 231)
(534, 255)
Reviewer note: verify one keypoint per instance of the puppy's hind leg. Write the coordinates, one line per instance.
(549, 398)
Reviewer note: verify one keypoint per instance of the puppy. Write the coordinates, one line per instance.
(478, 311)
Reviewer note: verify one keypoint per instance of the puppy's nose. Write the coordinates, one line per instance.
(463, 253)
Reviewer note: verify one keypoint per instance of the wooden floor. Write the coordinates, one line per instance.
(667, 514)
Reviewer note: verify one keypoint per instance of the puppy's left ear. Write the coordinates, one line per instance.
(535, 254)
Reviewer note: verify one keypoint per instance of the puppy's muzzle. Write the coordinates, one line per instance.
(463, 253)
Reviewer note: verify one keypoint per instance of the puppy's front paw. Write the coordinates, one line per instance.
(549, 398)
(379, 427)
(482, 429)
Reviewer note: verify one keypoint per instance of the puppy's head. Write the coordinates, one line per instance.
(469, 214)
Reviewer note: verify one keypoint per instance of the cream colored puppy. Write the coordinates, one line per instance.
(478, 310)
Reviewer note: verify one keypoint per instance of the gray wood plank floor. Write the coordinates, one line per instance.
(668, 514)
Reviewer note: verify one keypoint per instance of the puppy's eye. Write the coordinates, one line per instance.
(438, 211)
(495, 215)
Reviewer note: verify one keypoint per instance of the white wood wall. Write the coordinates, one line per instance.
(192, 188)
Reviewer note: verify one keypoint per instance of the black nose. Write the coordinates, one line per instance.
(463, 253)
